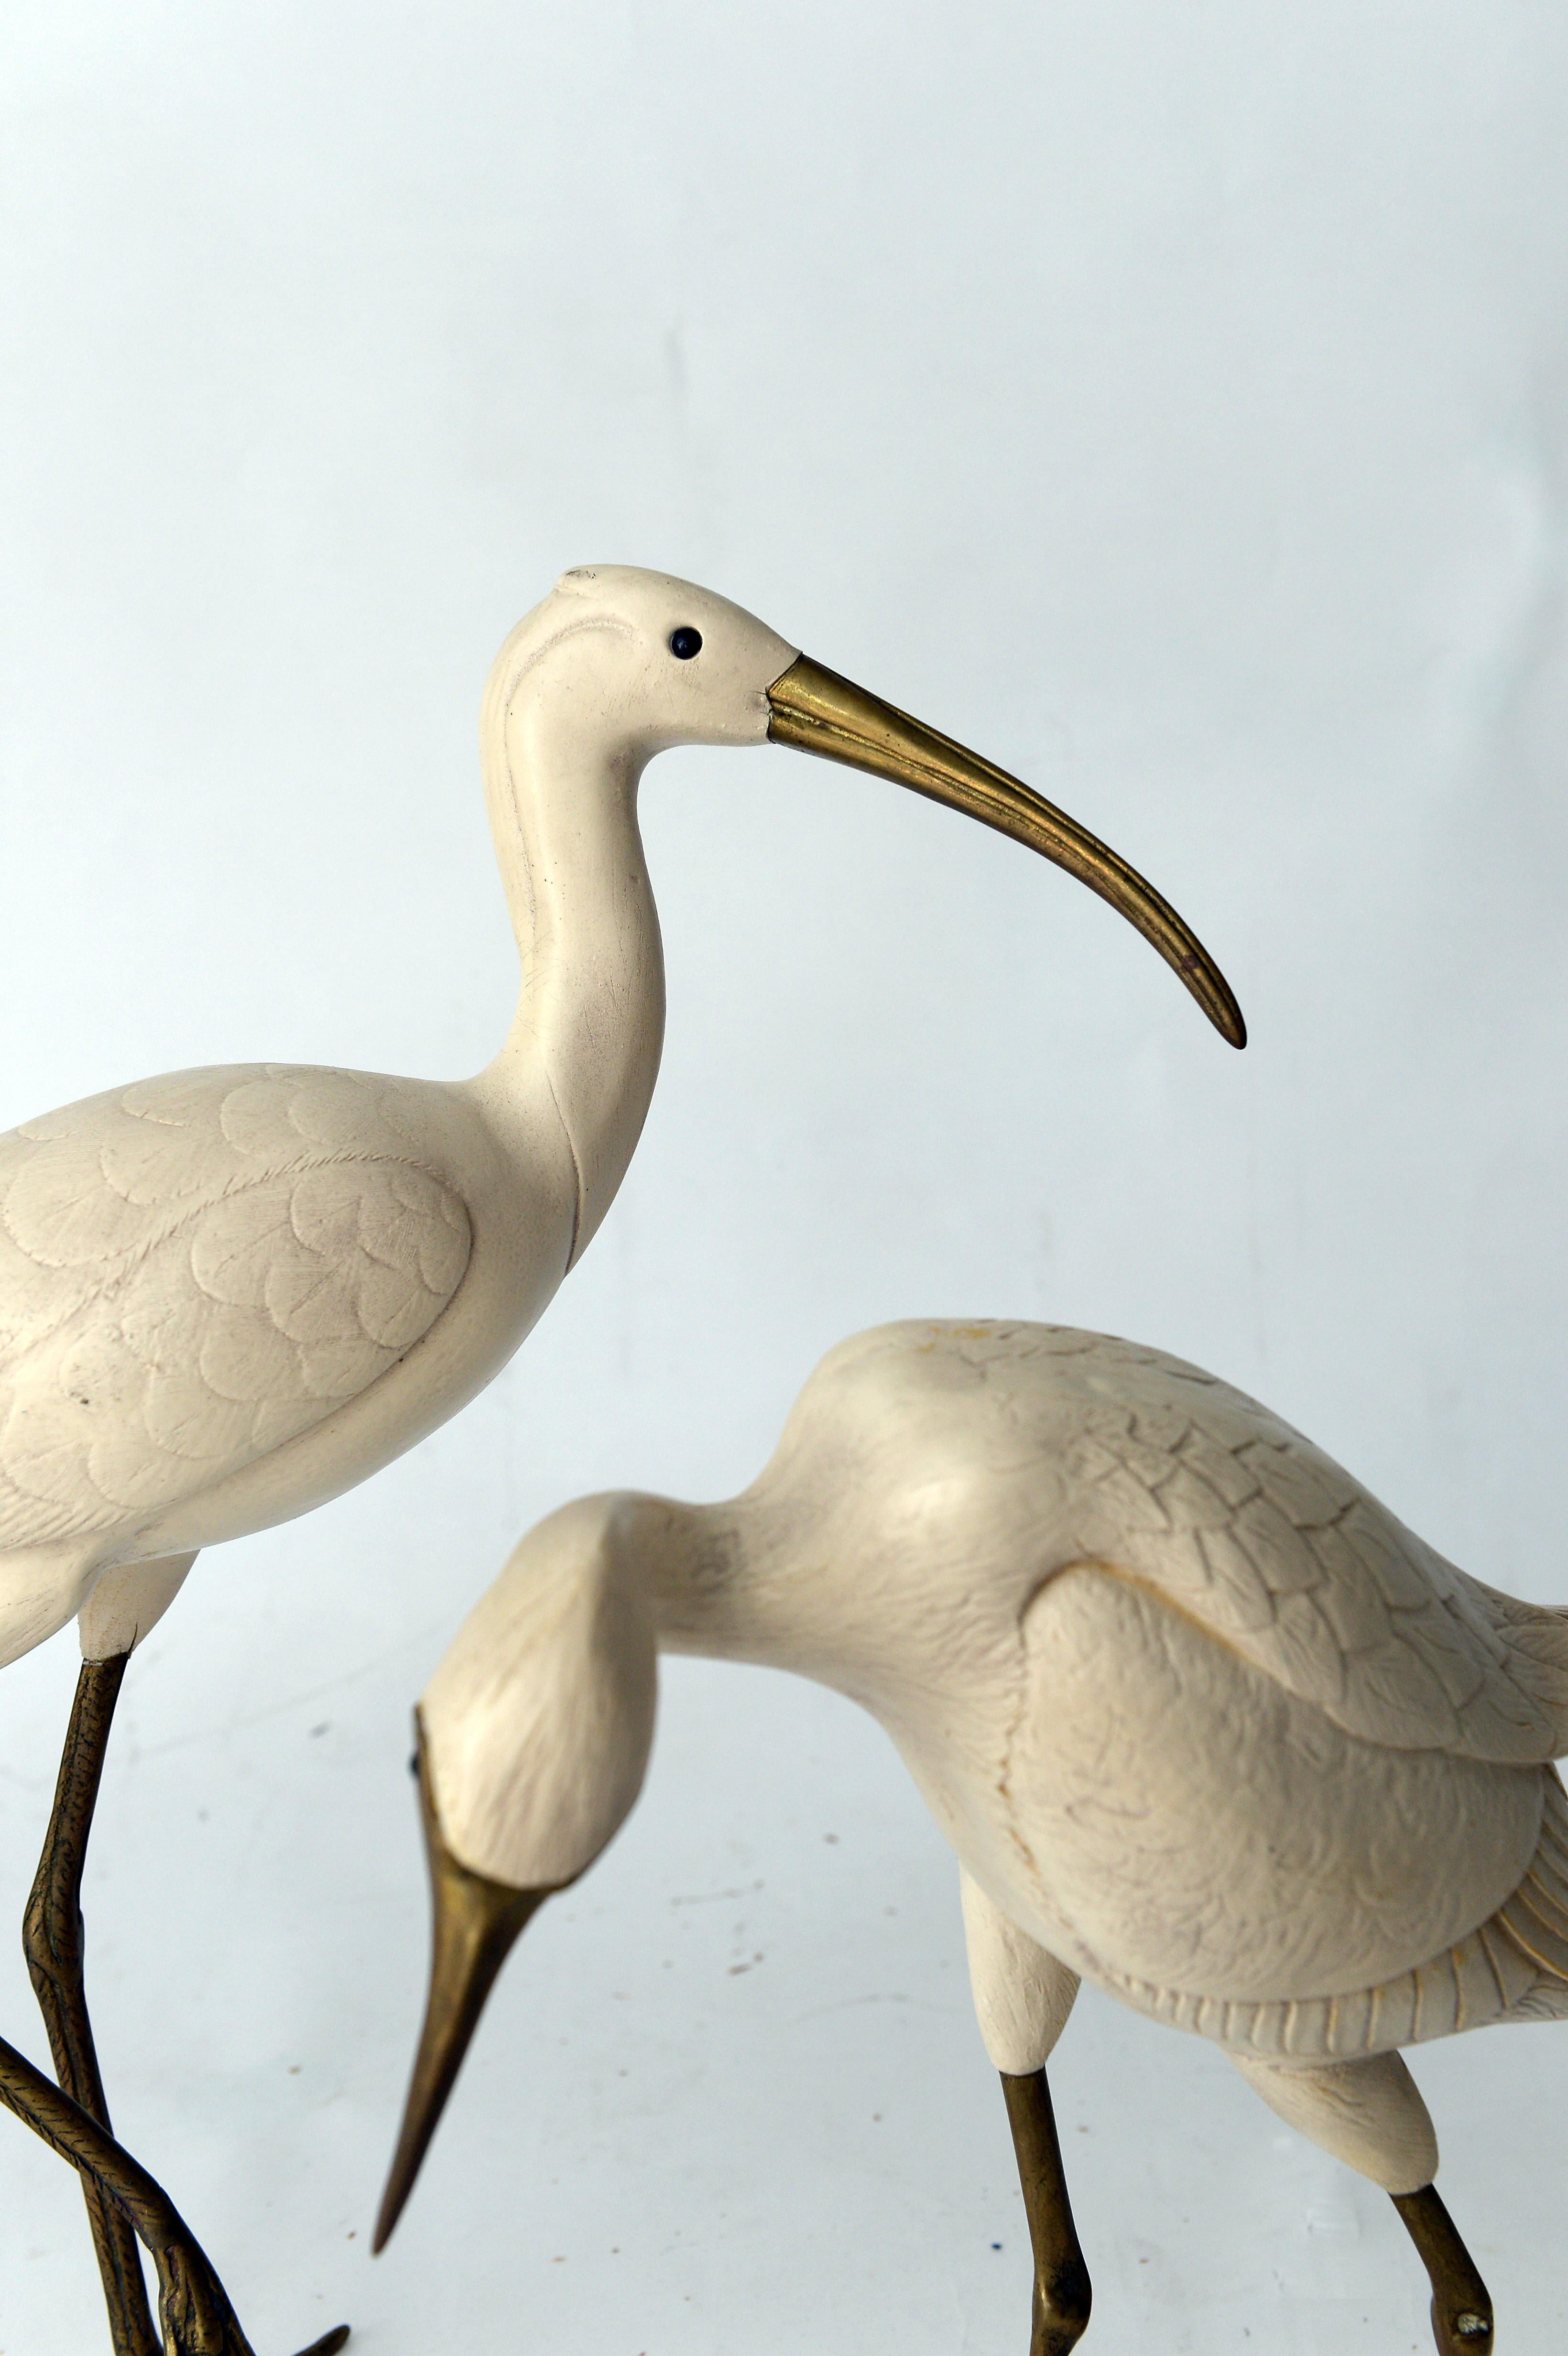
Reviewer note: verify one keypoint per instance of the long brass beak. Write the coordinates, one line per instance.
(816, 711)
(474, 1922)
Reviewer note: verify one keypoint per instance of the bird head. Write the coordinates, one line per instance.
(643, 661)
(532, 1740)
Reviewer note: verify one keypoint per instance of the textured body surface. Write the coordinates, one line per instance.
(1203, 1721)
(221, 1294)
(195, 1271)
(1203, 1718)
(227, 1295)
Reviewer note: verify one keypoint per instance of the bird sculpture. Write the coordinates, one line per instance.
(1204, 1723)
(227, 1295)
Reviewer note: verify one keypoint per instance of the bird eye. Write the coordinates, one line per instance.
(684, 642)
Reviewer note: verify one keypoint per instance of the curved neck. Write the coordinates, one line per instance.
(758, 1577)
(590, 1012)
(713, 1584)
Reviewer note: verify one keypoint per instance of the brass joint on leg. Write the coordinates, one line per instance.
(1462, 2322)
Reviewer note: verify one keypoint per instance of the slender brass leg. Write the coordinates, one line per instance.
(193, 2306)
(123, 2200)
(1461, 2305)
(52, 1943)
(197, 2318)
(1062, 2293)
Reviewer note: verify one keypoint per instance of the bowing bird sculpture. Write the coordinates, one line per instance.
(227, 1295)
(1204, 1722)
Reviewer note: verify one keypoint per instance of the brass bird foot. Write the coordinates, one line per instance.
(1461, 2304)
(194, 2312)
(197, 2322)
(195, 2315)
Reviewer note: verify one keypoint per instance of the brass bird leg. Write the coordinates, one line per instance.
(52, 1943)
(1062, 2293)
(123, 2200)
(193, 2308)
(1461, 2305)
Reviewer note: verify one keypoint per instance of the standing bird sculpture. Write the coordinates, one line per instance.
(1204, 1723)
(227, 1295)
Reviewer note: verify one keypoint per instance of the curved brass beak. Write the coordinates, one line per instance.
(474, 1922)
(816, 711)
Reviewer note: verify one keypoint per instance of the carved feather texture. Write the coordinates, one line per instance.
(1514, 1966)
(1265, 1765)
(1188, 1820)
(197, 1270)
(1226, 1512)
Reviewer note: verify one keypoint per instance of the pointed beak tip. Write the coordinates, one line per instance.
(816, 710)
(1213, 993)
(474, 1924)
(394, 2200)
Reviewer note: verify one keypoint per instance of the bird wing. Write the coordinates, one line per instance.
(1241, 1523)
(198, 1269)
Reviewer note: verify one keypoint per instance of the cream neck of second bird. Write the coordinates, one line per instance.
(736, 1581)
(591, 1006)
(538, 1718)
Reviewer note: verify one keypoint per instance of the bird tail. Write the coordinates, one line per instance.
(1537, 1637)
(1536, 1917)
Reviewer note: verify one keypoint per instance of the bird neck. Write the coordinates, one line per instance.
(590, 1012)
(683, 1564)
(712, 1584)
(766, 1578)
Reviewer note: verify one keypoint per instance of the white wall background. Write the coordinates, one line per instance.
(1169, 400)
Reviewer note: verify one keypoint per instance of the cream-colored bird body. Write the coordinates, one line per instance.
(227, 1295)
(1195, 1711)
(232, 1294)
(1204, 1722)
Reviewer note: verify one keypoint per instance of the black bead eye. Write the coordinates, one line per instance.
(684, 642)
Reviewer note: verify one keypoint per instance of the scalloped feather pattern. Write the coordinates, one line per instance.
(197, 1270)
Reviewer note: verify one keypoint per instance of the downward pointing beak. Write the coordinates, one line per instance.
(816, 711)
(474, 1923)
